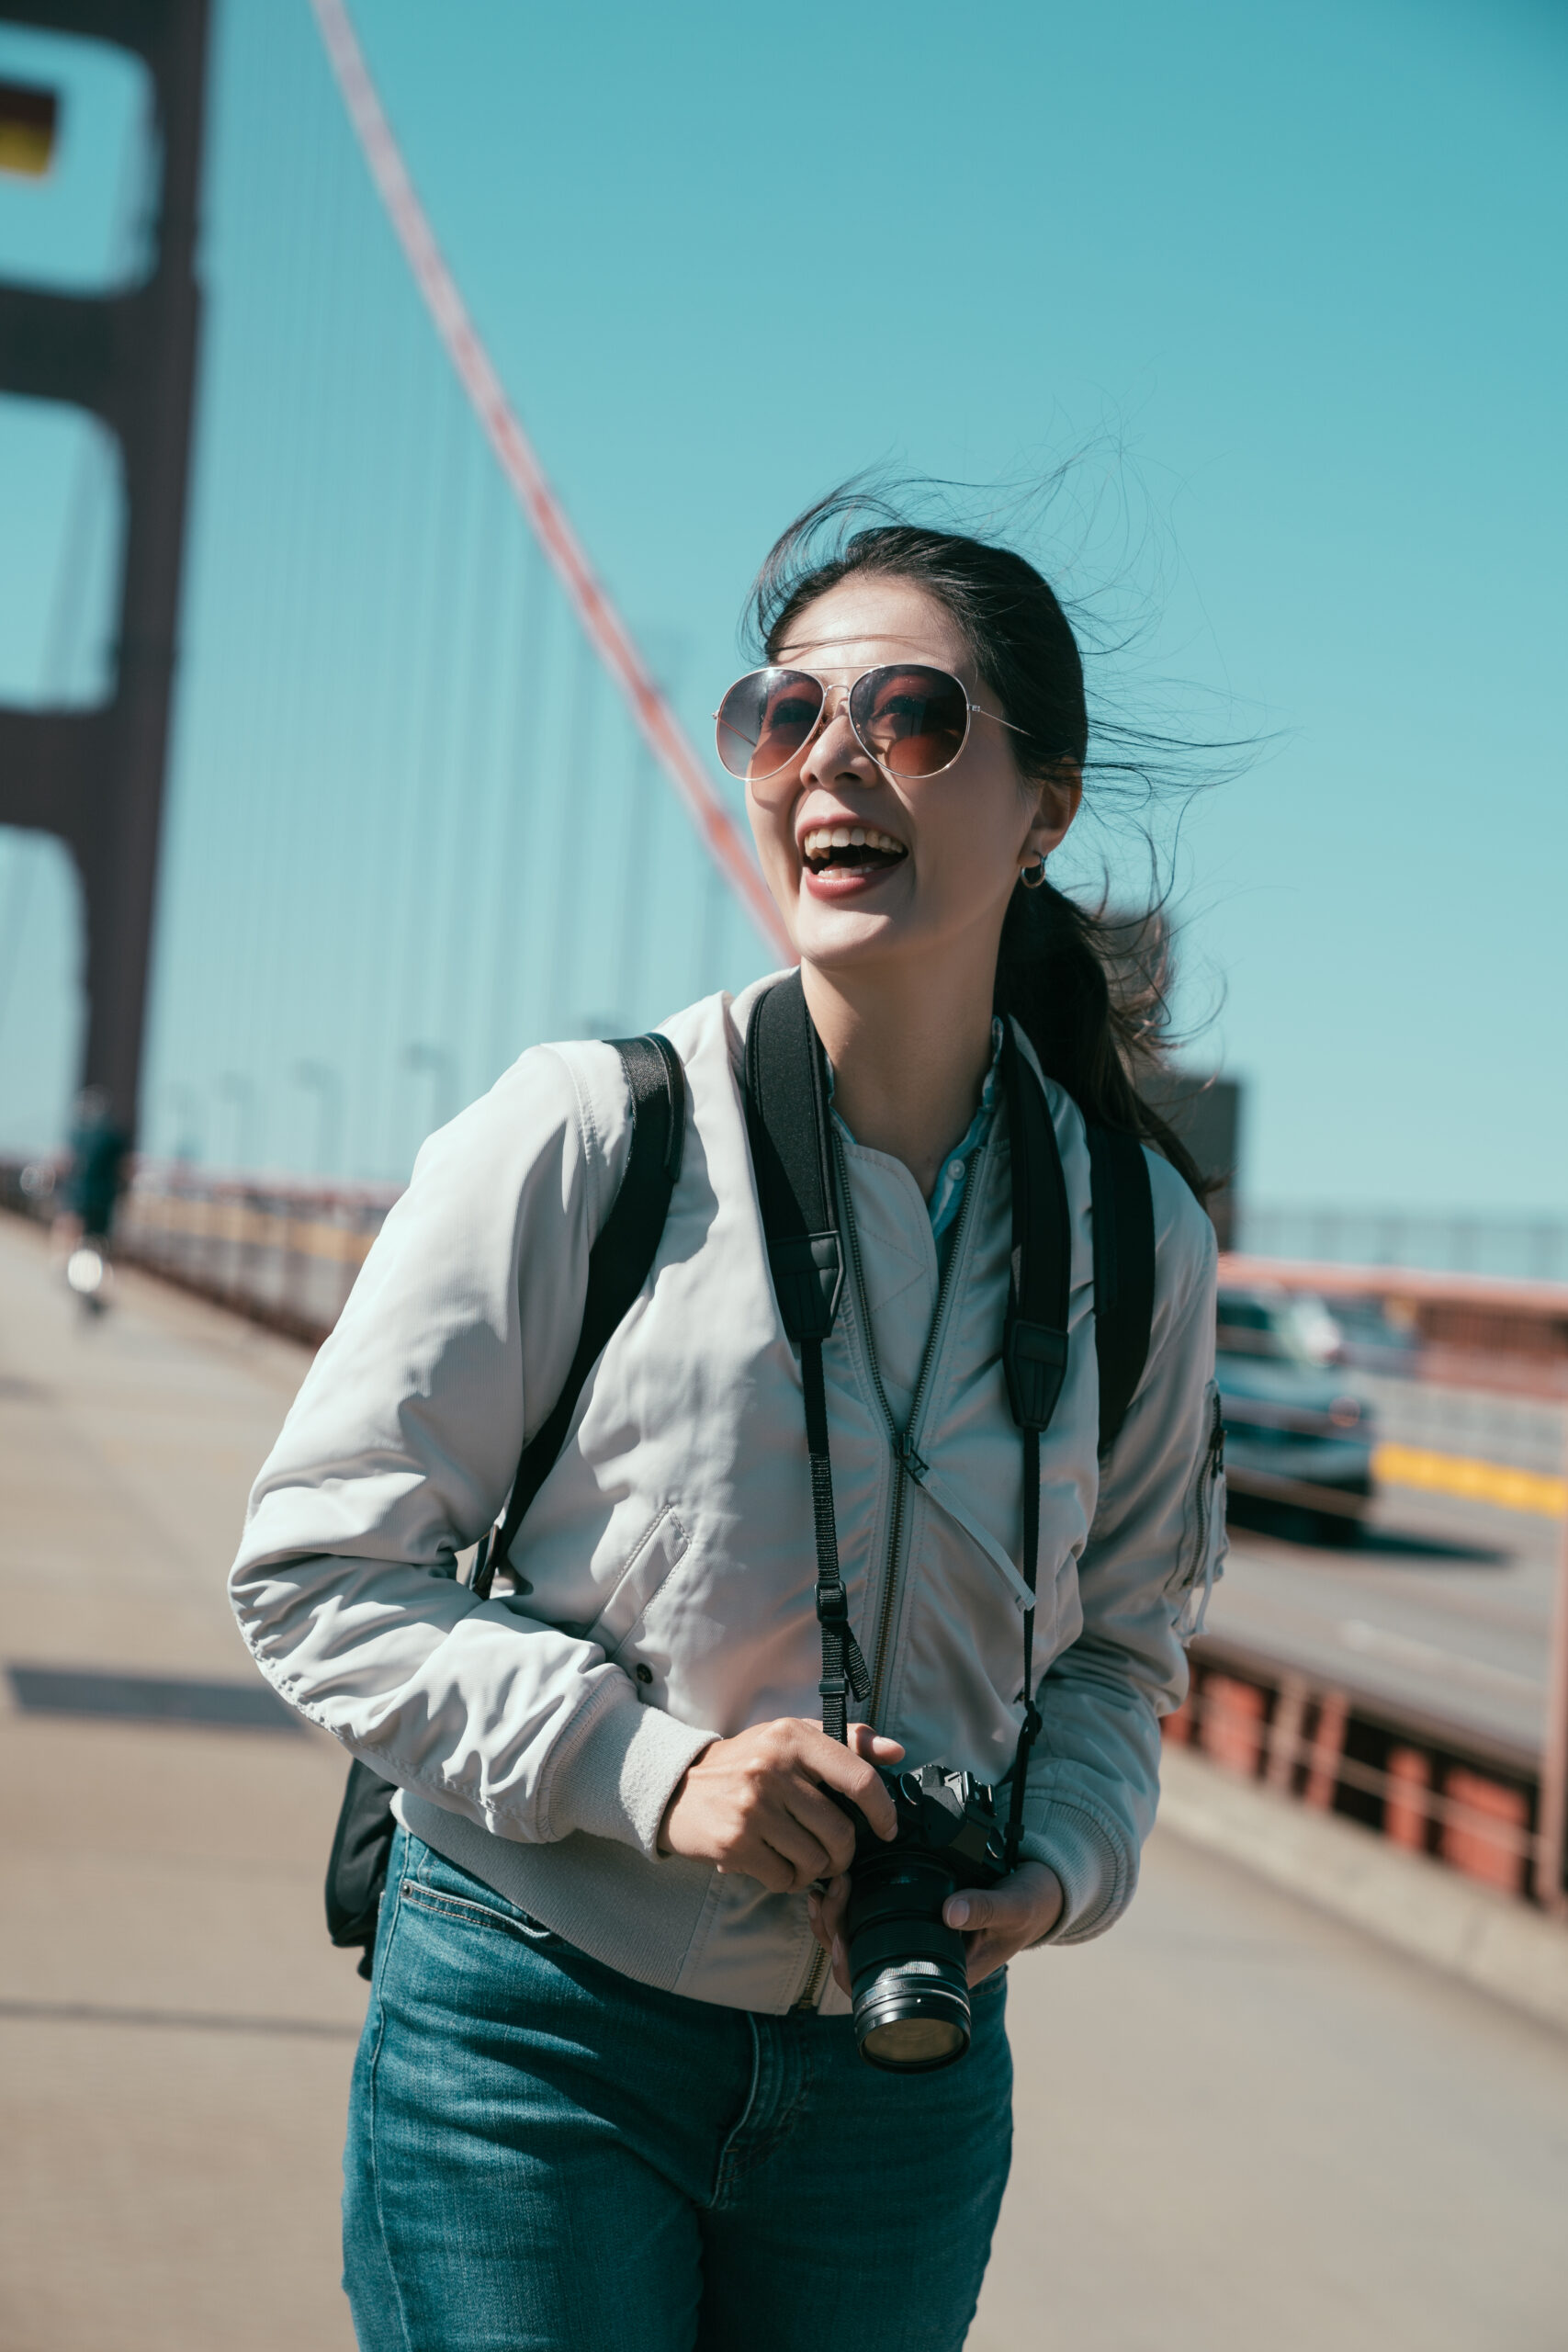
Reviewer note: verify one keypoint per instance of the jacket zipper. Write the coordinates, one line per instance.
(904, 1454)
(1198, 1580)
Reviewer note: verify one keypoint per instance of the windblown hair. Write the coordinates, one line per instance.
(1089, 987)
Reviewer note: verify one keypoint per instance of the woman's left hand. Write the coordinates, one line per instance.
(997, 1920)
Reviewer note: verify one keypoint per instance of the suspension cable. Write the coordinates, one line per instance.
(519, 462)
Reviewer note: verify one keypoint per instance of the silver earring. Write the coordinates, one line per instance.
(1033, 878)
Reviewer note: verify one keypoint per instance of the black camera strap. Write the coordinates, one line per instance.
(788, 1120)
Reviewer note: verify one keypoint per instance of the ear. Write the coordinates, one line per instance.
(1060, 790)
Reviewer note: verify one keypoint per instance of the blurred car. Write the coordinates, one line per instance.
(1377, 1337)
(1298, 1438)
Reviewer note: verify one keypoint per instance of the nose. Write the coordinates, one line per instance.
(835, 749)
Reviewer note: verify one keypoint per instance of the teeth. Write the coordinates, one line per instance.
(823, 838)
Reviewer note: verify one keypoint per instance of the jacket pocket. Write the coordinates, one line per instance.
(1204, 1544)
(658, 1554)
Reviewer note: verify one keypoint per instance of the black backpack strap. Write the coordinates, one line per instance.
(1034, 1341)
(1034, 1336)
(786, 1121)
(618, 1265)
(1123, 1271)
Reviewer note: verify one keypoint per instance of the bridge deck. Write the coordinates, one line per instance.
(1239, 2124)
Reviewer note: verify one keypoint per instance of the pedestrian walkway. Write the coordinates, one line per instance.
(1240, 2125)
(176, 2033)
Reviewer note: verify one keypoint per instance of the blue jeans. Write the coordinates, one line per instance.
(546, 2157)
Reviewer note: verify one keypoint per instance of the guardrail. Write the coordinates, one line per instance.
(283, 1253)
(1465, 1330)
(1471, 1801)
(286, 1255)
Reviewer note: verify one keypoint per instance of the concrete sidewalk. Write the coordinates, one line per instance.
(1240, 2122)
(176, 2033)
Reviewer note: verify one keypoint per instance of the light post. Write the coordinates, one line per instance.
(236, 1088)
(185, 1107)
(326, 1084)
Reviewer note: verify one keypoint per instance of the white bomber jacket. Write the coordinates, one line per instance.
(664, 1582)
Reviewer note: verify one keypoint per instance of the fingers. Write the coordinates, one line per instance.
(985, 1954)
(809, 1831)
(998, 1922)
(855, 1774)
(974, 1909)
(830, 1828)
(875, 1744)
(1028, 1900)
(760, 1803)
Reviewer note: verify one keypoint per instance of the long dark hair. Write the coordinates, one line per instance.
(1089, 987)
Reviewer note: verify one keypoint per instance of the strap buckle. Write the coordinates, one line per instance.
(832, 1604)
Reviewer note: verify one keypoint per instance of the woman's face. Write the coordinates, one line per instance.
(942, 853)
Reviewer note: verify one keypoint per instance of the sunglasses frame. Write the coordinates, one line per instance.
(824, 717)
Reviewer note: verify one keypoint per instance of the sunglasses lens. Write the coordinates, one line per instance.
(911, 719)
(765, 720)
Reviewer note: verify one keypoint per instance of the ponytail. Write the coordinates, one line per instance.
(1090, 992)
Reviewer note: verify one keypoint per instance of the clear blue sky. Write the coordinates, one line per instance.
(1292, 278)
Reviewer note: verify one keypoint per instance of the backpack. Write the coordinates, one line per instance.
(791, 1141)
(618, 1265)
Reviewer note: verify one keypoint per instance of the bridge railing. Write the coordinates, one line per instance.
(287, 1254)
(282, 1251)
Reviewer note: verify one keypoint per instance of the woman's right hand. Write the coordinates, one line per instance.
(757, 1804)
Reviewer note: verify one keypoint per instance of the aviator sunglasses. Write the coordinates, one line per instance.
(912, 719)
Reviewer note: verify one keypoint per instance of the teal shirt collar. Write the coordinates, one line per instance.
(947, 1194)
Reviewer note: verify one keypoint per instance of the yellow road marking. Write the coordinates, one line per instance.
(1480, 1481)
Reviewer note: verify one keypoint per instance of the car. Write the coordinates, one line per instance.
(1299, 1440)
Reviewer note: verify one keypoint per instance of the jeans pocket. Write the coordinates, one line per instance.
(433, 1885)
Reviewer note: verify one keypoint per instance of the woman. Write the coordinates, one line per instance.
(608, 2092)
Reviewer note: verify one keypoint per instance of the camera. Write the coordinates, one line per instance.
(907, 1979)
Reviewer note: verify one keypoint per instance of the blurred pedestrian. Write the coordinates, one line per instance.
(90, 1195)
(98, 1148)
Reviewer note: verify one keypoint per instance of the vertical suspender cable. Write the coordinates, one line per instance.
(575, 824)
(474, 782)
(522, 755)
(519, 462)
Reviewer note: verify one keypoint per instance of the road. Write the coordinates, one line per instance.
(1238, 2122)
(1443, 1605)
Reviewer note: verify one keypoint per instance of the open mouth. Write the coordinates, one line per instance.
(853, 849)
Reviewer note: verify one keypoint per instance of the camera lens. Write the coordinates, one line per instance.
(910, 1983)
(914, 2018)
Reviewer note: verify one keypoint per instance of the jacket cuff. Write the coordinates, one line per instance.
(1096, 1882)
(622, 1772)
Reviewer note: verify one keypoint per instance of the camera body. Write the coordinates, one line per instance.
(908, 1982)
